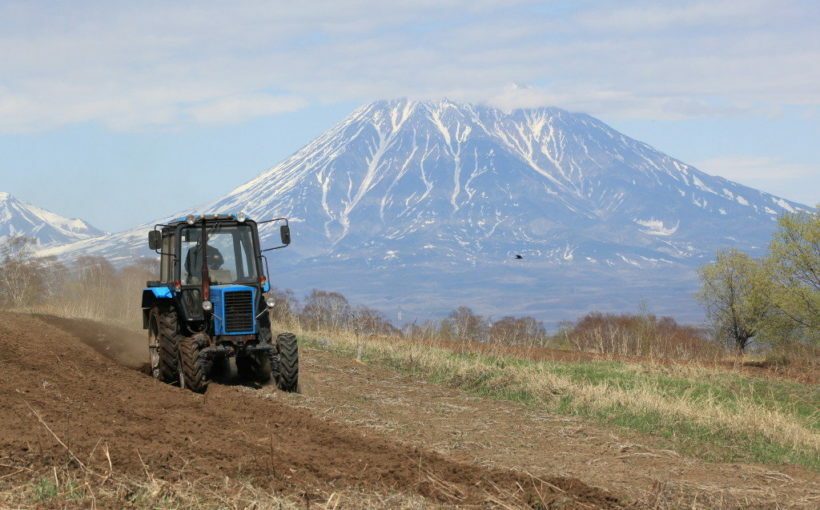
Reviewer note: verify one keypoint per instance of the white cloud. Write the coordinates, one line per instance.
(241, 107)
(618, 103)
(653, 16)
(132, 66)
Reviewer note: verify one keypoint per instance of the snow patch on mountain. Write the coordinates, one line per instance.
(19, 218)
(657, 227)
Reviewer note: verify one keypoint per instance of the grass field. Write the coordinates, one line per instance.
(711, 413)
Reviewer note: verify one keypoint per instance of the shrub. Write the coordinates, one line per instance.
(640, 335)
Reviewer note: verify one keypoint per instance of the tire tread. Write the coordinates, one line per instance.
(287, 369)
(194, 368)
(167, 340)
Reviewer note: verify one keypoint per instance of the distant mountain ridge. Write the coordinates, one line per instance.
(403, 194)
(18, 217)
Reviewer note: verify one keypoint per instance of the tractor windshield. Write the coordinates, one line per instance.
(229, 253)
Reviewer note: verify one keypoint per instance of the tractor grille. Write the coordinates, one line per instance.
(238, 311)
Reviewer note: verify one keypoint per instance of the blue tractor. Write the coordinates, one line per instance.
(209, 305)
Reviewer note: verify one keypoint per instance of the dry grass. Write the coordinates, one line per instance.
(69, 487)
(695, 403)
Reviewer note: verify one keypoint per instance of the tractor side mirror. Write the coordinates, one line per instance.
(154, 240)
(284, 233)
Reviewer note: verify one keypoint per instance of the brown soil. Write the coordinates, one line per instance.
(63, 401)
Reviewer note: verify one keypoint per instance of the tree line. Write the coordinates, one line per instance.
(89, 287)
(331, 312)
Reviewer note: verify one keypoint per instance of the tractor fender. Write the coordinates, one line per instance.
(150, 297)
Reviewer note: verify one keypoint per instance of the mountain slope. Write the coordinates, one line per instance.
(426, 205)
(415, 182)
(21, 218)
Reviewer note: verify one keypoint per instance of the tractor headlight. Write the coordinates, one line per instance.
(270, 302)
(190, 219)
(241, 217)
(207, 306)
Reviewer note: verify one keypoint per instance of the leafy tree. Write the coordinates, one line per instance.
(736, 292)
(794, 262)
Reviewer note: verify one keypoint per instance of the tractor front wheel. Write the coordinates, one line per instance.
(287, 369)
(193, 369)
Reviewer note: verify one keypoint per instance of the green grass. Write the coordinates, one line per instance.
(46, 490)
(713, 414)
(726, 389)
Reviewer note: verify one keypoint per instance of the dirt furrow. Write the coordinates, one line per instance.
(64, 402)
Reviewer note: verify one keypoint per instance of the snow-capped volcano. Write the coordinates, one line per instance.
(21, 218)
(427, 205)
(416, 181)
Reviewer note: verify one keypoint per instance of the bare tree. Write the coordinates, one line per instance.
(286, 306)
(23, 277)
(522, 331)
(326, 310)
(368, 321)
(463, 324)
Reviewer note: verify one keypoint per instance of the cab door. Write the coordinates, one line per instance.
(166, 273)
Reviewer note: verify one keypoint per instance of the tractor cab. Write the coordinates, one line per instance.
(213, 277)
(225, 251)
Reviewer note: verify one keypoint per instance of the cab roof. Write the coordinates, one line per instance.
(209, 218)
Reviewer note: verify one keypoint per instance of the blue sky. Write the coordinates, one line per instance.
(120, 113)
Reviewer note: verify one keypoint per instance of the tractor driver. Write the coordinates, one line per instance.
(193, 261)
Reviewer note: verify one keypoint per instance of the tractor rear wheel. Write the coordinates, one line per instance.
(287, 369)
(162, 344)
(193, 369)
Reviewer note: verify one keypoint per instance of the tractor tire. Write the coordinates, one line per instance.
(162, 344)
(193, 369)
(287, 369)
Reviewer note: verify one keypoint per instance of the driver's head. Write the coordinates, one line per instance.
(215, 259)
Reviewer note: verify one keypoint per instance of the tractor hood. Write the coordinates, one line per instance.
(234, 309)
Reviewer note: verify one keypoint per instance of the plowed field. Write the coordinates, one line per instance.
(62, 399)
(74, 393)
